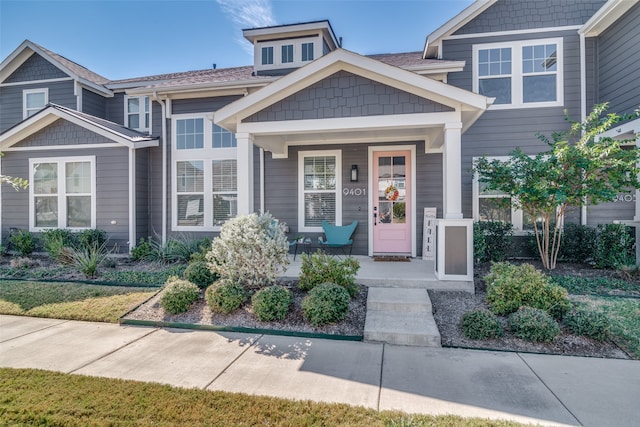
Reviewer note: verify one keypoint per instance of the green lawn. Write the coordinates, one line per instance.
(69, 300)
(34, 397)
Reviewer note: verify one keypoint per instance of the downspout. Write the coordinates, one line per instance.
(163, 146)
(583, 107)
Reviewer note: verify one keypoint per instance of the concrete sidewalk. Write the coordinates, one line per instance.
(522, 387)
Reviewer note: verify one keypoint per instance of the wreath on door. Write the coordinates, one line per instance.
(391, 193)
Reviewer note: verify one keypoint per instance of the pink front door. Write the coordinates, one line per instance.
(392, 204)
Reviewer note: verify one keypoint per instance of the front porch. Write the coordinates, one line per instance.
(417, 273)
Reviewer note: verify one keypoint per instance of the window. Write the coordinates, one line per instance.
(204, 166)
(34, 100)
(520, 74)
(267, 55)
(62, 194)
(287, 53)
(307, 51)
(138, 113)
(222, 138)
(320, 183)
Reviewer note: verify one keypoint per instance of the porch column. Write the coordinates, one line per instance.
(245, 173)
(452, 164)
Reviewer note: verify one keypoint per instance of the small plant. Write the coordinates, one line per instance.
(143, 250)
(251, 249)
(511, 286)
(55, 239)
(87, 259)
(326, 303)
(90, 238)
(320, 268)
(271, 303)
(614, 246)
(492, 240)
(588, 323)
(178, 295)
(23, 263)
(3, 250)
(23, 242)
(578, 242)
(533, 324)
(198, 272)
(225, 295)
(480, 325)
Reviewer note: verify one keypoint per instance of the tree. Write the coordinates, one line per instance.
(577, 167)
(16, 183)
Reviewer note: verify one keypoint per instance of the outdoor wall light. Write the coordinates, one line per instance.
(354, 173)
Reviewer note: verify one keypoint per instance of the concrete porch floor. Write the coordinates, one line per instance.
(417, 273)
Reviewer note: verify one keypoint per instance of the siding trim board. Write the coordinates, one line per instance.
(32, 82)
(513, 32)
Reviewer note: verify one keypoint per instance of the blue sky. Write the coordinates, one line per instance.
(122, 39)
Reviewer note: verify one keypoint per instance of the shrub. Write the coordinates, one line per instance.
(178, 295)
(184, 248)
(271, 303)
(55, 239)
(143, 250)
(3, 249)
(533, 324)
(86, 259)
(614, 246)
(480, 325)
(320, 268)
(577, 243)
(325, 303)
(22, 241)
(91, 238)
(251, 249)
(511, 286)
(588, 323)
(225, 295)
(198, 272)
(492, 240)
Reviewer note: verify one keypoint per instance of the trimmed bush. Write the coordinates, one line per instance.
(198, 272)
(511, 286)
(225, 295)
(588, 323)
(271, 303)
(480, 325)
(492, 240)
(614, 246)
(22, 241)
(533, 324)
(91, 238)
(143, 250)
(55, 239)
(251, 249)
(321, 268)
(326, 303)
(578, 242)
(178, 295)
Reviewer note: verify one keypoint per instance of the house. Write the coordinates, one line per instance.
(311, 131)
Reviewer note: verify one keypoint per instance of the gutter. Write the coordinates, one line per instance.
(163, 146)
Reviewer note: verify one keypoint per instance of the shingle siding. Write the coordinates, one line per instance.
(35, 68)
(60, 133)
(510, 15)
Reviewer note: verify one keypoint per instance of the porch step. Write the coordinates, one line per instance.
(400, 316)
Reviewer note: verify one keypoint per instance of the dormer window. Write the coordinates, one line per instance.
(307, 52)
(267, 55)
(138, 113)
(287, 53)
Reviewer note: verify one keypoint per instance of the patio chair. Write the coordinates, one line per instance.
(338, 236)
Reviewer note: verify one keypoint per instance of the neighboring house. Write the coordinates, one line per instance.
(311, 131)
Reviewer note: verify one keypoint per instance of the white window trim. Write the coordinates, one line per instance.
(26, 92)
(141, 113)
(517, 75)
(62, 191)
(207, 155)
(277, 52)
(338, 190)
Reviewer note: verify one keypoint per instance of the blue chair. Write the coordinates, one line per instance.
(338, 236)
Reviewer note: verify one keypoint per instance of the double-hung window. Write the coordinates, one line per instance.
(520, 74)
(205, 174)
(320, 189)
(138, 113)
(62, 193)
(34, 100)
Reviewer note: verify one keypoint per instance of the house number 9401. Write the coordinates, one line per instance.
(354, 192)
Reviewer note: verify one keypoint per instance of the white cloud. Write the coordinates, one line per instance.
(248, 14)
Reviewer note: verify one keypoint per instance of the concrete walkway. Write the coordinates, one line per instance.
(523, 387)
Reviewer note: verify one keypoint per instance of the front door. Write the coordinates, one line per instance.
(392, 204)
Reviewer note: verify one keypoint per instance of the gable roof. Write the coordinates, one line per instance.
(434, 40)
(608, 14)
(52, 112)
(72, 69)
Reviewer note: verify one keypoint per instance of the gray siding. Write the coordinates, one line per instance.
(201, 105)
(35, 68)
(142, 193)
(619, 56)
(508, 15)
(111, 190)
(591, 67)
(605, 213)
(93, 104)
(346, 95)
(156, 192)
(62, 132)
(11, 100)
(114, 108)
